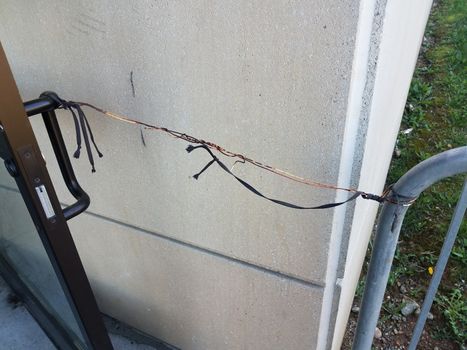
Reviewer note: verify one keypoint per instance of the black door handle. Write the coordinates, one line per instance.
(46, 106)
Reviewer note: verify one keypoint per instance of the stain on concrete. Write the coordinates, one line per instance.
(89, 26)
(86, 24)
(70, 32)
(78, 29)
(92, 19)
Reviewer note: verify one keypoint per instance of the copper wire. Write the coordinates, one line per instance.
(240, 157)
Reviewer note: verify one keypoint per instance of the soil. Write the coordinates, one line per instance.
(396, 329)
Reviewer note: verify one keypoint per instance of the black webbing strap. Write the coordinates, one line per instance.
(81, 126)
(249, 187)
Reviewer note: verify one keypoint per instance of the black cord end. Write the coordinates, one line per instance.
(76, 154)
(204, 169)
(190, 148)
(373, 197)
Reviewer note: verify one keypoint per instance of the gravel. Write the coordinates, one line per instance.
(409, 308)
(355, 309)
(378, 333)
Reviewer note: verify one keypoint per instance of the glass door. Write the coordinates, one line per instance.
(37, 255)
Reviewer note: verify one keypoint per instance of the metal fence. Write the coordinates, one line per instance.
(402, 194)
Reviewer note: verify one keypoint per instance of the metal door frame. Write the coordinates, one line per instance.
(25, 163)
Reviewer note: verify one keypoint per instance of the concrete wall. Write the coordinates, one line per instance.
(205, 264)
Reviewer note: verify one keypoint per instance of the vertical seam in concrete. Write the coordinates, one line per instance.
(389, 14)
(354, 107)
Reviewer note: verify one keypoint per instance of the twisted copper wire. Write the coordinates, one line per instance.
(241, 157)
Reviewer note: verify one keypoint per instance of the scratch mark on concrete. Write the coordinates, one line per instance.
(87, 25)
(79, 29)
(70, 32)
(95, 20)
(132, 84)
(142, 136)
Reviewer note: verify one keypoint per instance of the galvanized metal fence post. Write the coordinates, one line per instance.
(451, 236)
(409, 186)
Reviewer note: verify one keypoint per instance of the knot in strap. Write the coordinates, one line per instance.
(82, 127)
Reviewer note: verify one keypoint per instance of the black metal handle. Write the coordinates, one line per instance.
(46, 106)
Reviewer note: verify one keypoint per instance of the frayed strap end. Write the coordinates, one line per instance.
(373, 197)
(204, 169)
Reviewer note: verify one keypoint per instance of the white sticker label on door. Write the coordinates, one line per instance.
(45, 201)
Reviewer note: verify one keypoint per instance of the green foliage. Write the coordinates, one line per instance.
(391, 308)
(418, 101)
(409, 264)
(436, 113)
(434, 120)
(360, 288)
(459, 253)
(405, 264)
(454, 309)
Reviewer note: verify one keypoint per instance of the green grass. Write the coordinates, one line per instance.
(436, 113)
(454, 309)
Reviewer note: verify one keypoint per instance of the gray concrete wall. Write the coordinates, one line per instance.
(200, 264)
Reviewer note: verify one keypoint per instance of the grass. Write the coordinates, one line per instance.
(434, 121)
(455, 311)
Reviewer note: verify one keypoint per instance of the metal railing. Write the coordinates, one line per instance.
(402, 194)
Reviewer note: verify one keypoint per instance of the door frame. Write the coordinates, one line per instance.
(25, 163)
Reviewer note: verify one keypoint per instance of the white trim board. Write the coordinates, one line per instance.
(354, 106)
(402, 34)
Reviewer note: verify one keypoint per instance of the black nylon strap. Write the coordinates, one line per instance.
(78, 134)
(86, 139)
(81, 126)
(249, 187)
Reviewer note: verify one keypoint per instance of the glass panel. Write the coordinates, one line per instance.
(22, 247)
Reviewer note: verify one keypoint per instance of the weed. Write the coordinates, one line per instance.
(419, 99)
(405, 264)
(360, 288)
(459, 252)
(436, 113)
(454, 309)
